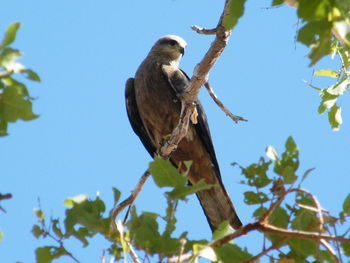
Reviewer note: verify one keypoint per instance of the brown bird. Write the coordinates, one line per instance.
(153, 106)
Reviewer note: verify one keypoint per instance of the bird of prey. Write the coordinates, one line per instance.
(153, 106)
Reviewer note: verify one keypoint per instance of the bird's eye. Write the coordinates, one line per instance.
(172, 42)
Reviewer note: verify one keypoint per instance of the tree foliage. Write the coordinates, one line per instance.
(15, 100)
(290, 225)
(295, 227)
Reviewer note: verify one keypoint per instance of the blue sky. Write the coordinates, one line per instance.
(82, 143)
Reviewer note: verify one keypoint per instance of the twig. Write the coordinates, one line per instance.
(117, 209)
(221, 105)
(264, 252)
(182, 248)
(133, 254)
(5, 196)
(266, 228)
(327, 246)
(204, 31)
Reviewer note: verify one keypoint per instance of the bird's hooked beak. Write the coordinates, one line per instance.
(182, 51)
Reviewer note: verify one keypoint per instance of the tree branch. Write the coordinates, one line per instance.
(127, 202)
(221, 105)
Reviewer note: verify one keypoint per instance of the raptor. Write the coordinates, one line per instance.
(153, 106)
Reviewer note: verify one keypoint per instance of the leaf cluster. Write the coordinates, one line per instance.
(274, 188)
(301, 213)
(15, 101)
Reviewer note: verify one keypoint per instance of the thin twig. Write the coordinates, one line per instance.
(133, 254)
(264, 252)
(327, 246)
(266, 228)
(117, 209)
(221, 105)
(204, 31)
(182, 248)
(5, 196)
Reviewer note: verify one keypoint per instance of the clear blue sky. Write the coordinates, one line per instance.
(85, 50)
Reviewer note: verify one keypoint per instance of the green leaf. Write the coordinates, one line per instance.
(235, 11)
(328, 101)
(10, 35)
(305, 220)
(258, 213)
(222, 230)
(56, 228)
(289, 163)
(335, 118)
(49, 253)
(116, 194)
(327, 72)
(40, 215)
(304, 246)
(278, 218)
(3, 127)
(306, 174)
(346, 205)
(144, 230)
(170, 217)
(339, 88)
(316, 35)
(346, 248)
(257, 173)
(291, 145)
(8, 57)
(228, 252)
(288, 175)
(78, 199)
(277, 2)
(30, 74)
(89, 215)
(165, 174)
(15, 103)
(311, 10)
(37, 231)
(180, 192)
(255, 198)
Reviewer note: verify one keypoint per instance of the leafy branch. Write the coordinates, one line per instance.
(15, 101)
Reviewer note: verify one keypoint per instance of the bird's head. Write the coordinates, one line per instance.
(169, 48)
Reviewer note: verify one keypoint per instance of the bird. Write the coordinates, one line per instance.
(153, 104)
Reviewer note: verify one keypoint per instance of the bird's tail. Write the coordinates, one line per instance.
(218, 207)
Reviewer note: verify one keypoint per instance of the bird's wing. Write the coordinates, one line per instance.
(215, 202)
(134, 117)
(179, 81)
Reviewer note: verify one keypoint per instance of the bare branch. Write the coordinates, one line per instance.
(327, 246)
(5, 196)
(204, 31)
(129, 200)
(221, 105)
(266, 228)
(133, 254)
